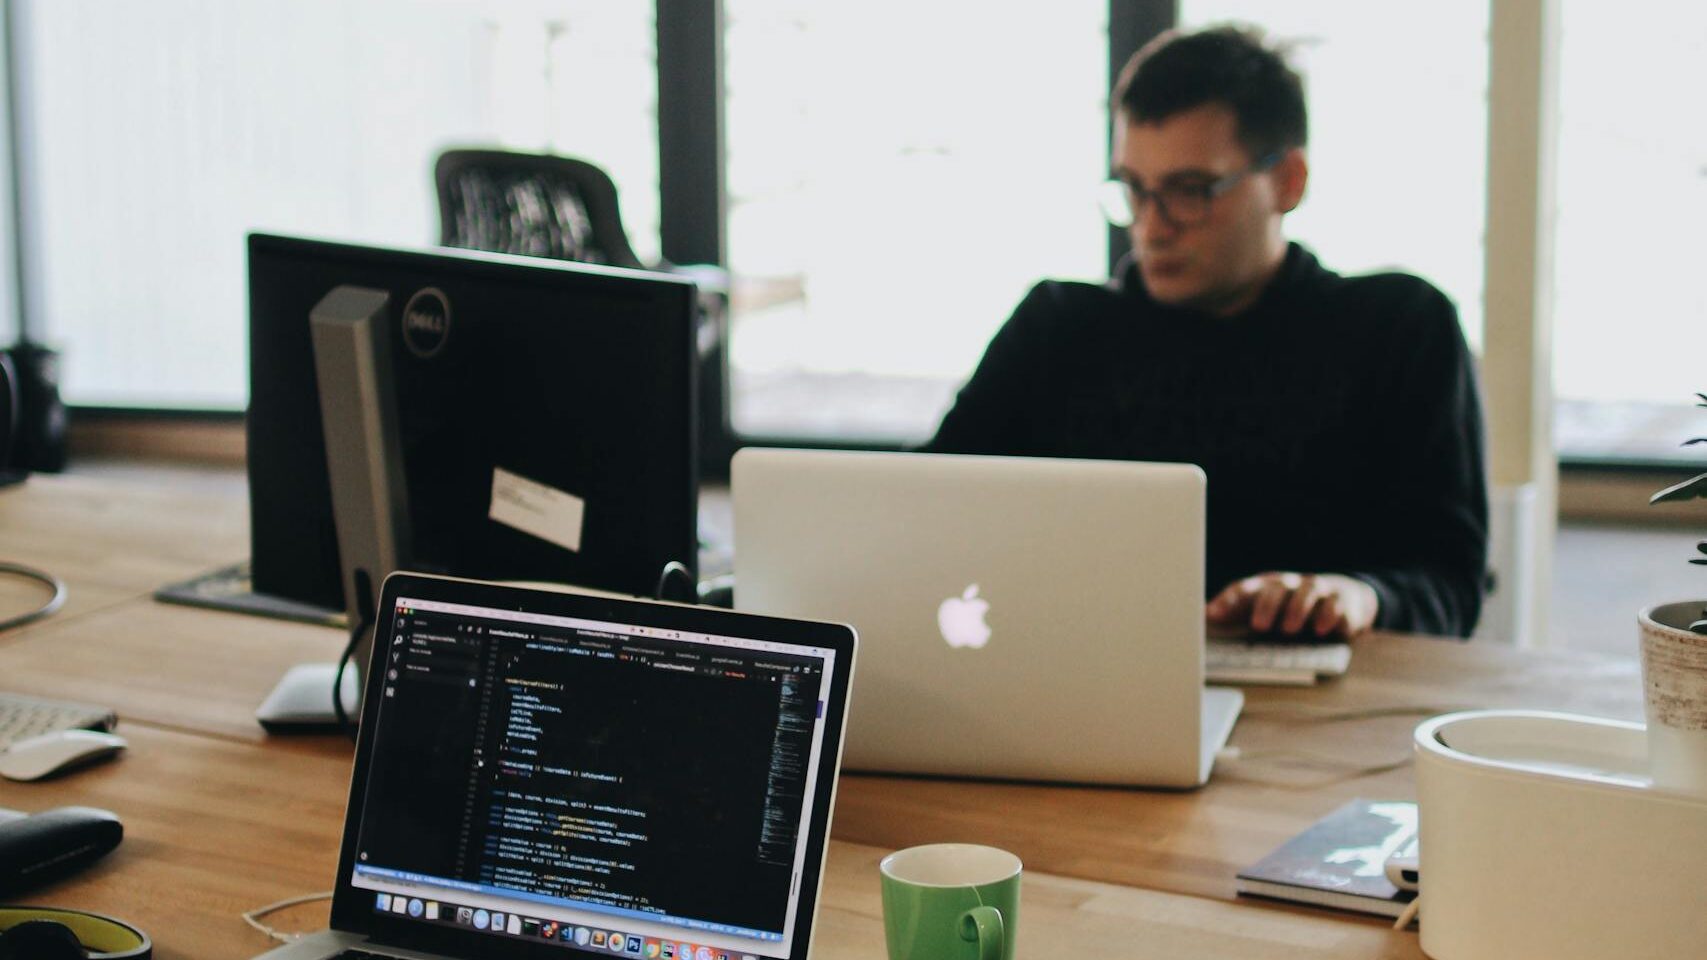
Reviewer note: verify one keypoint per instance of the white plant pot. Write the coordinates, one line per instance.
(1674, 693)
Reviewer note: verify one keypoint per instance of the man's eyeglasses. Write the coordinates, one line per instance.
(1183, 204)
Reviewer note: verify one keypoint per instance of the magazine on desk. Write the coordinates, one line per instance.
(1341, 860)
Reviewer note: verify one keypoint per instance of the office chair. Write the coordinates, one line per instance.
(530, 204)
(542, 205)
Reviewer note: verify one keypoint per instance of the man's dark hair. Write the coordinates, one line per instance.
(1227, 65)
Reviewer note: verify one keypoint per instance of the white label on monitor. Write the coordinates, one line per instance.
(536, 509)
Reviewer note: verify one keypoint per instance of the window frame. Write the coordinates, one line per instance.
(691, 134)
(692, 190)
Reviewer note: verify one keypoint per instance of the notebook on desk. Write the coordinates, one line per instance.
(1342, 860)
(1024, 618)
(542, 774)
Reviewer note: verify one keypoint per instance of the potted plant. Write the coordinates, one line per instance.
(1674, 670)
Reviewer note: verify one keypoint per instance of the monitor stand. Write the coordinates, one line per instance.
(232, 589)
(302, 701)
(364, 461)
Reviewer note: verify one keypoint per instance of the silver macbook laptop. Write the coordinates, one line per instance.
(543, 774)
(1021, 618)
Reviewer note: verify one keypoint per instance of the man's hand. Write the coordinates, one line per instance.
(1324, 604)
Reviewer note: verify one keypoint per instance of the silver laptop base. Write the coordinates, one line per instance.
(1221, 706)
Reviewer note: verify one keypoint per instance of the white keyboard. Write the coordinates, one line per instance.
(1273, 664)
(22, 717)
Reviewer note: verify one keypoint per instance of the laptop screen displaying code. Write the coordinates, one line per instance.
(581, 781)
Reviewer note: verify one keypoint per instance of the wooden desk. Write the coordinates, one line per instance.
(223, 818)
(1195, 842)
(214, 828)
(114, 539)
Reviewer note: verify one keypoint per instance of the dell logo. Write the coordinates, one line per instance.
(426, 322)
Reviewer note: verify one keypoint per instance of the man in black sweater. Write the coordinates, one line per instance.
(1336, 417)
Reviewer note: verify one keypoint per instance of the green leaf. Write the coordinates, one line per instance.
(1695, 486)
(1702, 546)
(1696, 440)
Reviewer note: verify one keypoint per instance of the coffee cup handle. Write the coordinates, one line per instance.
(984, 925)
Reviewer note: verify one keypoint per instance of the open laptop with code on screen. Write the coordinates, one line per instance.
(1021, 617)
(548, 775)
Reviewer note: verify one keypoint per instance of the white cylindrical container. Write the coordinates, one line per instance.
(1541, 835)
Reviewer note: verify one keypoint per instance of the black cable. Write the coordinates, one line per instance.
(338, 710)
(362, 622)
(676, 584)
(40, 576)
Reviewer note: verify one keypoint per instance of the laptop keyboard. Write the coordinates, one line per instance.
(23, 717)
(1267, 662)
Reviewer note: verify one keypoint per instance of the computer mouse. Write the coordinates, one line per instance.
(38, 757)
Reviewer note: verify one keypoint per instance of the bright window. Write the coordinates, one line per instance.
(1629, 306)
(900, 173)
(1398, 134)
(155, 135)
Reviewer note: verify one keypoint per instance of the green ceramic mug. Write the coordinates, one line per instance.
(950, 901)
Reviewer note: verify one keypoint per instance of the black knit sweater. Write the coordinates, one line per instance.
(1337, 420)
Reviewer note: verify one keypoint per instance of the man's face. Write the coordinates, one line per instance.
(1221, 263)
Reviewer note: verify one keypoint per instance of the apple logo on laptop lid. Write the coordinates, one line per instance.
(961, 619)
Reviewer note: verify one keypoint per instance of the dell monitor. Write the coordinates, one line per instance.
(544, 415)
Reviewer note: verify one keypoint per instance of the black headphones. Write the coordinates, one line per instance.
(8, 408)
(49, 933)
